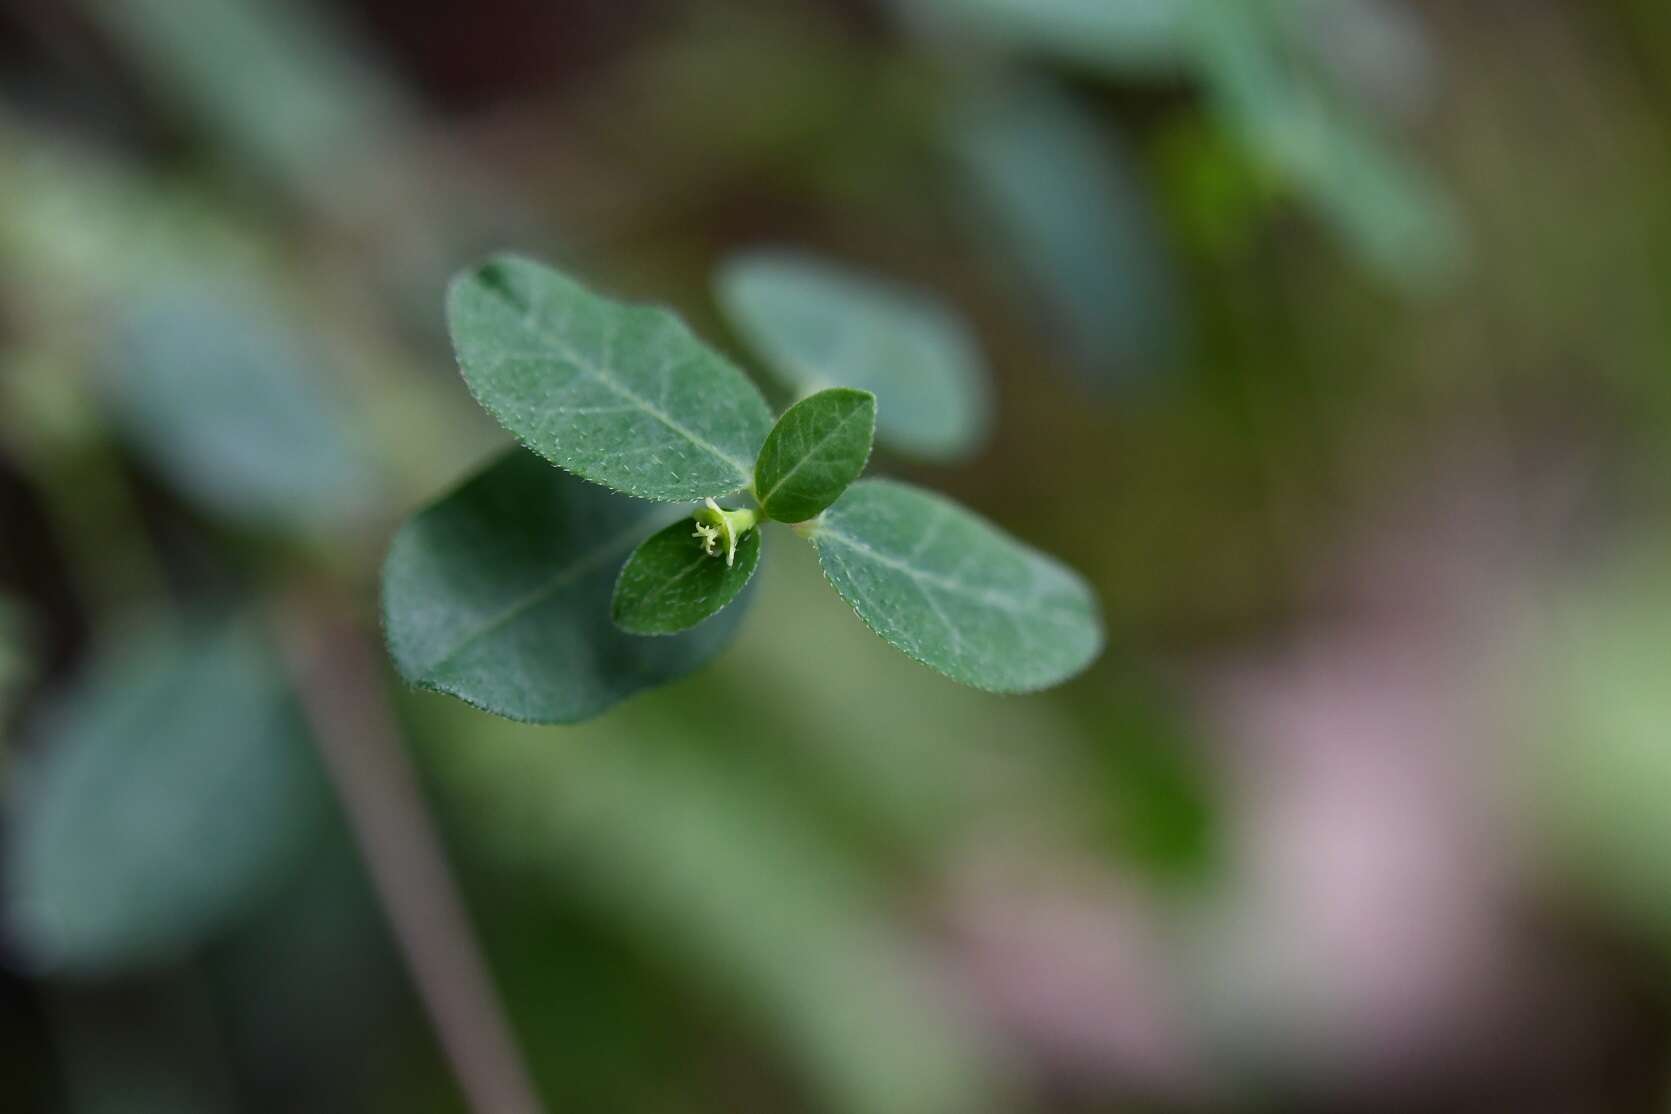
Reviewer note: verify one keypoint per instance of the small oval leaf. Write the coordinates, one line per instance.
(954, 592)
(174, 790)
(621, 395)
(499, 594)
(670, 583)
(818, 325)
(818, 447)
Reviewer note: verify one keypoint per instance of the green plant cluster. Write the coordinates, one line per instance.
(547, 595)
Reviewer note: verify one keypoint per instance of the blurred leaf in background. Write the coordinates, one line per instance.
(1324, 148)
(1308, 118)
(229, 404)
(172, 788)
(1378, 51)
(1064, 205)
(90, 228)
(277, 82)
(1599, 762)
(818, 325)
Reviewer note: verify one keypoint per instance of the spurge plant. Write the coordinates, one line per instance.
(512, 594)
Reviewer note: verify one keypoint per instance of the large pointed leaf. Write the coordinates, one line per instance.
(499, 595)
(175, 787)
(818, 325)
(952, 591)
(619, 394)
(817, 448)
(671, 583)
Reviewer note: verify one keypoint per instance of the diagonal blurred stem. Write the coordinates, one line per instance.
(336, 673)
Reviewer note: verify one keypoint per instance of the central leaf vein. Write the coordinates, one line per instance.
(564, 350)
(808, 455)
(986, 596)
(585, 564)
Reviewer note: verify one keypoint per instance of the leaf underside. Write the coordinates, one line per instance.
(619, 394)
(955, 593)
(670, 584)
(499, 594)
(818, 325)
(815, 451)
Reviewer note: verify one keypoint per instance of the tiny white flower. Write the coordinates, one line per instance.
(710, 538)
(719, 533)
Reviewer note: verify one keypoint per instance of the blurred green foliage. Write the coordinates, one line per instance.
(1058, 200)
(234, 412)
(175, 790)
(1372, 263)
(818, 326)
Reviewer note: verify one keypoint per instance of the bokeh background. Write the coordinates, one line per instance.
(1331, 341)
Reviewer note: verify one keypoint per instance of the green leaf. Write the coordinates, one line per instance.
(817, 448)
(226, 402)
(817, 325)
(670, 583)
(1382, 204)
(618, 394)
(1070, 216)
(175, 788)
(952, 591)
(286, 86)
(499, 594)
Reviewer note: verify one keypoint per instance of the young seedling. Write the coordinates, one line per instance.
(512, 594)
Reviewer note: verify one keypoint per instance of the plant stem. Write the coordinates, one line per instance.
(342, 693)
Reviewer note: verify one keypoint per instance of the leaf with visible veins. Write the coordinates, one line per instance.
(621, 395)
(817, 448)
(670, 583)
(955, 593)
(499, 594)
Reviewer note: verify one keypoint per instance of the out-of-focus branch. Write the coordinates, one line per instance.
(342, 691)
